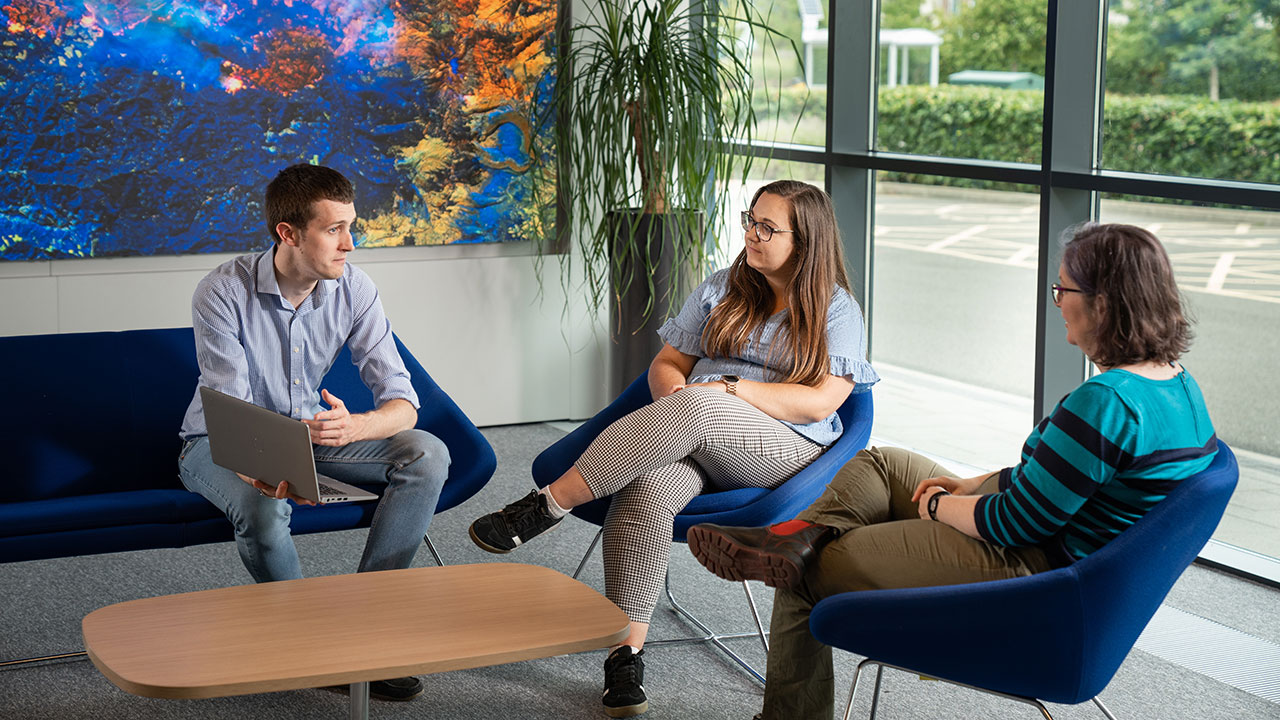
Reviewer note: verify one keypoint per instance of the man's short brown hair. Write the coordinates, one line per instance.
(1128, 281)
(292, 195)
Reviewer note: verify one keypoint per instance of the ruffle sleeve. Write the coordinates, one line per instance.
(856, 369)
(847, 342)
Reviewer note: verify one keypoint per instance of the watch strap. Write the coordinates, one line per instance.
(932, 505)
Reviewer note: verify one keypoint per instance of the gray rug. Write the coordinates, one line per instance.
(44, 601)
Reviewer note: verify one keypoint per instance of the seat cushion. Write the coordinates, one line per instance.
(118, 509)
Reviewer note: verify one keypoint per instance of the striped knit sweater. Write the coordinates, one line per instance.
(1109, 451)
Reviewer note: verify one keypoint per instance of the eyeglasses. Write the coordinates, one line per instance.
(1060, 291)
(764, 232)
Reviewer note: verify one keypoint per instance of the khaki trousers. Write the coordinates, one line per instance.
(883, 543)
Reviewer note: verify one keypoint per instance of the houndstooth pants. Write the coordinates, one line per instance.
(658, 458)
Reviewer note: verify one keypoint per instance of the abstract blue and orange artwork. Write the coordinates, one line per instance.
(152, 127)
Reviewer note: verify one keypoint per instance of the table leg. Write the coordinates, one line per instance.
(360, 701)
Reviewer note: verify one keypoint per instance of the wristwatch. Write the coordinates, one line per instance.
(730, 383)
(933, 503)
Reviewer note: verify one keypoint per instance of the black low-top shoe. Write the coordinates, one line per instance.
(776, 555)
(405, 688)
(624, 683)
(513, 525)
(397, 689)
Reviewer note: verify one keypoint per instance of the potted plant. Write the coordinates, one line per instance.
(649, 99)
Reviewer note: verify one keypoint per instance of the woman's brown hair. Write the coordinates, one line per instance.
(1129, 285)
(817, 267)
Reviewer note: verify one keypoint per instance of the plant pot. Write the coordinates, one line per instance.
(656, 261)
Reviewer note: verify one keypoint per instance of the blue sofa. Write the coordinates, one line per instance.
(90, 439)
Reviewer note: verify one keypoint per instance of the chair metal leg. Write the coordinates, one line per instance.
(715, 638)
(594, 541)
(1098, 701)
(853, 689)
(708, 635)
(431, 546)
(755, 614)
(875, 694)
(880, 666)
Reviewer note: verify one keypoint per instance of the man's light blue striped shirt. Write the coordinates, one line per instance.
(252, 344)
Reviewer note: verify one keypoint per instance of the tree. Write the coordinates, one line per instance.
(1219, 48)
(899, 14)
(996, 35)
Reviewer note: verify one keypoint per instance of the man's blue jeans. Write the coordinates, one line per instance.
(411, 466)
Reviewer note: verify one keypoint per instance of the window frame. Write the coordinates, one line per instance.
(1069, 177)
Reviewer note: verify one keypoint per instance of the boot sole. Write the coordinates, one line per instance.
(627, 710)
(731, 560)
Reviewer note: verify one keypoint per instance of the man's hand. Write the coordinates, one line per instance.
(336, 426)
(279, 492)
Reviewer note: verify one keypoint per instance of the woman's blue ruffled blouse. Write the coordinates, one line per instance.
(846, 343)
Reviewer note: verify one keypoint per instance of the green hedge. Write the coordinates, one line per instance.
(1181, 136)
(959, 121)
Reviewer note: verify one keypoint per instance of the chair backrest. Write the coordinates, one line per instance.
(472, 460)
(1123, 583)
(743, 506)
(100, 412)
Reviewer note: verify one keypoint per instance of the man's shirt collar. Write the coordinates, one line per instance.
(267, 282)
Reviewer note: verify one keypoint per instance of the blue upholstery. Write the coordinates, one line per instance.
(746, 506)
(91, 445)
(1057, 636)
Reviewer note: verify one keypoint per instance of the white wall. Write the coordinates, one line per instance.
(471, 314)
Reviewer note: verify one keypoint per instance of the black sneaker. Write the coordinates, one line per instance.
(513, 525)
(624, 683)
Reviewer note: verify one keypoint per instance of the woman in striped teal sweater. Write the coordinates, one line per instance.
(1105, 455)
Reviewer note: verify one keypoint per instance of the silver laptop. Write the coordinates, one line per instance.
(270, 447)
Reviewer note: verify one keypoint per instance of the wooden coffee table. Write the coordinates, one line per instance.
(240, 640)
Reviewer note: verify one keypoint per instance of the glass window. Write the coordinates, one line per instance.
(954, 301)
(962, 80)
(1191, 89)
(1227, 262)
(790, 82)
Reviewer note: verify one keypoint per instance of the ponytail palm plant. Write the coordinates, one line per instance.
(650, 97)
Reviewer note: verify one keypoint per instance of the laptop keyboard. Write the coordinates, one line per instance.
(327, 491)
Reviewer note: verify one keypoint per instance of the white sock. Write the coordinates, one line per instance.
(634, 650)
(552, 506)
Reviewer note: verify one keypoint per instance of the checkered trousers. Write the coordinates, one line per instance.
(658, 458)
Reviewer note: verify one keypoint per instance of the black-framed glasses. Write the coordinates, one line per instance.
(1059, 292)
(764, 232)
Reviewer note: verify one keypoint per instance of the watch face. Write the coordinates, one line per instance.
(730, 378)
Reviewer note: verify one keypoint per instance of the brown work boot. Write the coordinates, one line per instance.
(775, 555)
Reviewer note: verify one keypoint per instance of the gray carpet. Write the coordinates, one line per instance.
(44, 601)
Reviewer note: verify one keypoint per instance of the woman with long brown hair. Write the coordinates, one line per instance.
(745, 393)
